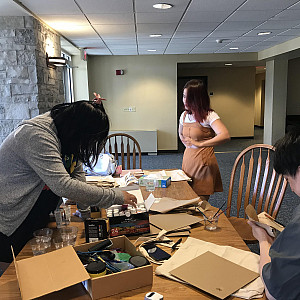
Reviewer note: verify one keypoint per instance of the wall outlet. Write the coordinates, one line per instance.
(129, 109)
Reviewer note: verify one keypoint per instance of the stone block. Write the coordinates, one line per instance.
(2, 74)
(17, 72)
(25, 37)
(2, 112)
(4, 91)
(26, 58)
(8, 22)
(17, 111)
(32, 74)
(29, 22)
(8, 33)
(20, 89)
(8, 58)
(6, 127)
(9, 45)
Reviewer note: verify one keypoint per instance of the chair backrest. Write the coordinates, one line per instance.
(125, 149)
(254, 181)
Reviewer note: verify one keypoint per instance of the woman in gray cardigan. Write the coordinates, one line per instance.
(41, 161)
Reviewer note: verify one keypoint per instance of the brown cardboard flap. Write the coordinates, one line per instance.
(173, 221)
(44, 274)
(214, 274)
(167, 204)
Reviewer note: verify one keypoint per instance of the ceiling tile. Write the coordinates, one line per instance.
(266, 4)
(61, 22)
(191, 34)
(288, 15)
(12, 9)
(253, 15)
(104, 6)
(43, 7)
(199, 26)
(162, 17)
(278, 24)
(203, 16)
(156, 28)
(241, 25)
(215, 5)
(111, 19)
(147, 6)
(115, 31)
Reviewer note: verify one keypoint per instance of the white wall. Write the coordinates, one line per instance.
(150, 84)
(80, 78)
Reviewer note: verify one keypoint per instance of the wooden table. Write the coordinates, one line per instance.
(224, 235)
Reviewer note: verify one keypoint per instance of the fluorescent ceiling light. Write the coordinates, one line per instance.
(234, 48)
(228, 64)
(162, 6)
(264, 33)
(155, 35)
(151, 50)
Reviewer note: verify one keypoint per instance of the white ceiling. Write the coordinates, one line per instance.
(122, 27)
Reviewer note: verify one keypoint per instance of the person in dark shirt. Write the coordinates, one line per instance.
(280, 258)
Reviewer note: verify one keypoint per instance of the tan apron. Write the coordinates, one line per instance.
(200, 163)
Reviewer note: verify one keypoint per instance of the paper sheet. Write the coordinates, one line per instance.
(166, 204)
(195, 247)
(138, 195)
(171, 222)
(219, 276)
(176, 175)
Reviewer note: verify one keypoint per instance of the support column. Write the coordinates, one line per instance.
(275, 99)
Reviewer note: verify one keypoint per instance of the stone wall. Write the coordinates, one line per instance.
(27, 86)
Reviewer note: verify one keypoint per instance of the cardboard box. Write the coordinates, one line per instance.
(134, 225)
(163, 183)
(59, 269)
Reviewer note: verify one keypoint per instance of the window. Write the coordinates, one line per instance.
(68, 79)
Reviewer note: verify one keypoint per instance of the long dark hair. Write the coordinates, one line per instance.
(82, 128)
(197, 99)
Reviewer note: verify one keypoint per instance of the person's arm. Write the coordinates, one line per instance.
(265, 243)
(222, 136)
(180, 128)
(41, 152)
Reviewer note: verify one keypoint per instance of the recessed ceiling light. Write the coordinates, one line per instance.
(162, 6)
(234, 48)
(228, 64)
(151, 50)
(264, 33)
(155, 35)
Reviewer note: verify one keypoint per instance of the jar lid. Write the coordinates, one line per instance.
(138, 261)
(96, 267)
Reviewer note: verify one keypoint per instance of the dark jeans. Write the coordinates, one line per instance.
(38, 218)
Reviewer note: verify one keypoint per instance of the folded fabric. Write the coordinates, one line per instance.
(194, 247)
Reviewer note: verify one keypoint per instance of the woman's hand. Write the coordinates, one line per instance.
(129, 199)
(98, 98)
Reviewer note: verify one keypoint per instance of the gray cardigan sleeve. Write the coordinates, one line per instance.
(41, 151)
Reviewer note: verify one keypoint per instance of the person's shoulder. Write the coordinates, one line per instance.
(211, 117)
(181, 119)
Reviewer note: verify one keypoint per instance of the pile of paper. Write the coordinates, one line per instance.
(218, 270)
(103, 181)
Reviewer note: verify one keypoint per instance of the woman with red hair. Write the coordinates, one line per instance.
(200, 129)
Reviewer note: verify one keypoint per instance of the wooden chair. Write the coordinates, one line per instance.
(125, 149)
(254, 181)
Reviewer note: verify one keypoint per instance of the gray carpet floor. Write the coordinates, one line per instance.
(226, 155)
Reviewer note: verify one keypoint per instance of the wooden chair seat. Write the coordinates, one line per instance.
(243, 229)
(254, 181)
